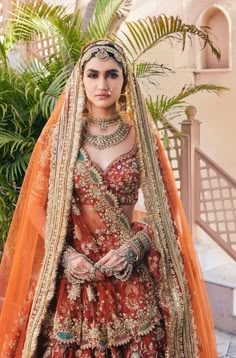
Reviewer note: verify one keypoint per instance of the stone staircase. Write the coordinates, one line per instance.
(219, 272)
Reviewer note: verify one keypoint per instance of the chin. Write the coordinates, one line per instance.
(104, 105)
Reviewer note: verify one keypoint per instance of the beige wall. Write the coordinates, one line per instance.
(217, 113)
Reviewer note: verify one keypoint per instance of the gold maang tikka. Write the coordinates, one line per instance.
(102, 52)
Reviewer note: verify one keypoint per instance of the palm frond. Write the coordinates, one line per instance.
(142, 35)
(147, 69)
(50, 22)
(35, 18)
(48, 99)
(105, 13)
(3, 55)
(43, 86)
(165, 108)
(16, 141)
(17, 167)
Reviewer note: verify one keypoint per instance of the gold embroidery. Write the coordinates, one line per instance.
(125, 322)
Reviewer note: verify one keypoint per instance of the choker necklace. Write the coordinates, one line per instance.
(106, 140)
(104, 123)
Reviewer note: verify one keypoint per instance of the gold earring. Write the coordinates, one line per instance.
(123, 101)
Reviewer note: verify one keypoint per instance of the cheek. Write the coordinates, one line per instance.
(88, 87)
(117, 87)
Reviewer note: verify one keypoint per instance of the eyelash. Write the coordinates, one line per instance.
(111, 75)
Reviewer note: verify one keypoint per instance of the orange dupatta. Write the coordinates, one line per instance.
(24, 249)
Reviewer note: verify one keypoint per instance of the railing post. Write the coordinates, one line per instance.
(190, 128)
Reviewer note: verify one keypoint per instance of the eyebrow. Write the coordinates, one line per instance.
(108, 71)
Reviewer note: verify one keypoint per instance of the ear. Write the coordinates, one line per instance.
(124, 84)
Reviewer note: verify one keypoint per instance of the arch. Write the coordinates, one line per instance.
(219, 22)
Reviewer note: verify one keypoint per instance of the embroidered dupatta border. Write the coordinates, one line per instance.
(173, 287)
(65, 146)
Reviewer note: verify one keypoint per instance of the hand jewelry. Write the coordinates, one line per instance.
(76, 276)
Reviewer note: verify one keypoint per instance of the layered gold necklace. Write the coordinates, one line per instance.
(102, 141)
(104, 123)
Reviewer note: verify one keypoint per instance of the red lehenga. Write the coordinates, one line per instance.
(113, 317)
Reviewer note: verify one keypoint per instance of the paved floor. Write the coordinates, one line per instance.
(226, 344)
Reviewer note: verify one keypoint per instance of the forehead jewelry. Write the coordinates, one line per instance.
(102, 52)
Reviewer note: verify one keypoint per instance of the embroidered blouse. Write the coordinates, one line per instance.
(121, 177)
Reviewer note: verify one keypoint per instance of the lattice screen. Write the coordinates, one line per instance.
(217, 215)
(43, 46)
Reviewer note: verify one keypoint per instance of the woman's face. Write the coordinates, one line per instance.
(103, 82)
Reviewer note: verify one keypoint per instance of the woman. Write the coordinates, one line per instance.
(95, 282)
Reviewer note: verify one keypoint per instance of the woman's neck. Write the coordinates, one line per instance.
(102, 112)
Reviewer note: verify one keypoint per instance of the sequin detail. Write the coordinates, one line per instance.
(121, 175)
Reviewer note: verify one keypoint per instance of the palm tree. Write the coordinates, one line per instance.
(28, 94)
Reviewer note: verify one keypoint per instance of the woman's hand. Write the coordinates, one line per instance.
(113, 262)
(86, 269)
(79, 269)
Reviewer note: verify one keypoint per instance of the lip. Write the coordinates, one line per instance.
(102, 96)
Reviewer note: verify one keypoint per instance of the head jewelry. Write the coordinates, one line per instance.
(103, 51)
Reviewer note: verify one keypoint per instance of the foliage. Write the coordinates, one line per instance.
(166, 108)
(142, 35)
(28, 93)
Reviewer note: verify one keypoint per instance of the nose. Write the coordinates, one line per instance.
(102, 84)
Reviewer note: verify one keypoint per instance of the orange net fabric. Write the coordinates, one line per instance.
(24, 250)
(199, 299)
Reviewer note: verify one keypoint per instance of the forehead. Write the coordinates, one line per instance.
(102, 66)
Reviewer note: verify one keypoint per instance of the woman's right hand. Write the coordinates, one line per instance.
(80, 264)
(79, 268)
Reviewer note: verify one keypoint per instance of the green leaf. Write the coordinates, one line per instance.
(147, 69)
(164, 107)
(143, 34)
(105, 13)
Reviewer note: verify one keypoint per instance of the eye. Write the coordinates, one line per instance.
(113, 75)
(92, 75)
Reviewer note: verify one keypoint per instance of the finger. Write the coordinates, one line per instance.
(114, 261)
(106, 258)
(99, 276)
(84, 266)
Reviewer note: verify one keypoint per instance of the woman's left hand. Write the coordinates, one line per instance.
(111, 263)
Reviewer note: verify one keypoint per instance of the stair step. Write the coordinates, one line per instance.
(224, 275)
(219, 271)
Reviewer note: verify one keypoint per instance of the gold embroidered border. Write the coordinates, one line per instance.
(174, 293)
(65, 147)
